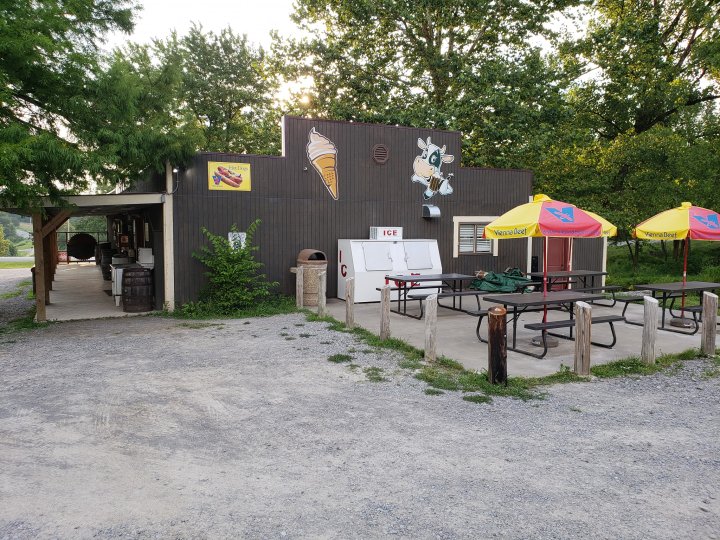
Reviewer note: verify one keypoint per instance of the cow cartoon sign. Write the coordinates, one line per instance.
(426, 169)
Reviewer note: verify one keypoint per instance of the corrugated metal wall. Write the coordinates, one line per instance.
(297, 211)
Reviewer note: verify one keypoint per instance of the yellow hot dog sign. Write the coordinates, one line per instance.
(228, 176)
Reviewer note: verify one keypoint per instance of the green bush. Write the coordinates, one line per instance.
(235, 281)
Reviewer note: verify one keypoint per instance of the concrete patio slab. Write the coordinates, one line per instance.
(80, 292)
(456, 337)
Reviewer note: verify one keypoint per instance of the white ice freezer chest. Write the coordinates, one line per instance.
(369, 261)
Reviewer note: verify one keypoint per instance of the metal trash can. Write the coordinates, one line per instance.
(313, 262)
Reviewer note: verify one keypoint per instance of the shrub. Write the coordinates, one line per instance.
(235, 281)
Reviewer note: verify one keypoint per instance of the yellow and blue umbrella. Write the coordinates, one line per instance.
(680, 223)
(545, 217)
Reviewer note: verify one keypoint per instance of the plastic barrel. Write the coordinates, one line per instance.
(137, 290)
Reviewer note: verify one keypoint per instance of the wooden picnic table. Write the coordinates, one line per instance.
(564, 276)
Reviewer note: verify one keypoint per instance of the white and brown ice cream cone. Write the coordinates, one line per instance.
(322, 153)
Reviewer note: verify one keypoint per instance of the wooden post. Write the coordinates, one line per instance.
(350, 302)
(299, 277)
(431, 328)
(48, 268)
(40, 315)
(583, 324)
(709, 322)
(322, 288)
(497, 345)
(385, 312)
(650, 321)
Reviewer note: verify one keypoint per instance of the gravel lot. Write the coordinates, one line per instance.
(156, 428)
(10, 283)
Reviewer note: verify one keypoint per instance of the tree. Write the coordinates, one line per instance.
(68, 116)
(226, 88)
(460, 64)
(48, 53)
(643, 135)
(5, 244)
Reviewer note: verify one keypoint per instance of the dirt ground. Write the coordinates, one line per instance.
(155, 428)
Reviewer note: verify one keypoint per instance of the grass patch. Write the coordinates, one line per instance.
(22, 324)
(11, 294)
(374, 374)
(198, 325)
(477, 398)
(304, 335)
(339, 358)
(16, 264)
(433, 392)
(280, 305)
(634, 366)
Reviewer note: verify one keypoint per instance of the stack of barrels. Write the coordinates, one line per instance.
(106, 253)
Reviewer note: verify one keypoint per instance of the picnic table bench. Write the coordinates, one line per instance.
(603, 289)
(570, 323)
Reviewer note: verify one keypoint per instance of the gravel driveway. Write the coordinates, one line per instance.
(14, 283)
(150, 427)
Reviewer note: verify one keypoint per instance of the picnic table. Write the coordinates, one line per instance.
(672, 291)
(566, 276)
(532, 302)
(408, 287)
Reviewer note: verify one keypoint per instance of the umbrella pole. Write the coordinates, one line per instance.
(545, 276)
(682, 308)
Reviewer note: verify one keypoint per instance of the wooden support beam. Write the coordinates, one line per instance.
(47, 256)
(299, 284)
(385, 312)
(709, 322)
(40, 315)
(649, 335)
(350, 302)
(583, 325)
(431, 328)
(497, 345)
(55, 222)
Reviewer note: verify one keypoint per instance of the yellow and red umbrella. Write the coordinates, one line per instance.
(545, 217)
(682, 222)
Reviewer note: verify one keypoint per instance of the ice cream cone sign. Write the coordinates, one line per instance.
(322, 153)
(426, 169)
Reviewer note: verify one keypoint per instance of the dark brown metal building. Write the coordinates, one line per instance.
(375, 175)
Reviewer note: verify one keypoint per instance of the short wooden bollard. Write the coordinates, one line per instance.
(649, 335)
(350, 302)
(322, 289)
(497, 345)
(385, 312)
(709, 322)
(583, 326)
(431, 328)
(299, 278)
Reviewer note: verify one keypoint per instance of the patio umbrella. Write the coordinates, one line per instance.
(685, 221)
(545, 217)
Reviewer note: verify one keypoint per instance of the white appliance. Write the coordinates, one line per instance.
(369, 261)
(116, 271)
(146, 259)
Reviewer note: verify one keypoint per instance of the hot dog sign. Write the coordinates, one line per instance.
(228, 176)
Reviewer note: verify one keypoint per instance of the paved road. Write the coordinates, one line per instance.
(150, 427)
(17, 259)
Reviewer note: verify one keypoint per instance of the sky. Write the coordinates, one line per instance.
(256, 19)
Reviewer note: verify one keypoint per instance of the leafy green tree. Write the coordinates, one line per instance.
(235, 278)
(48, 53)
(226, 88)
(643, 135)
(459, 64)
(5, 244)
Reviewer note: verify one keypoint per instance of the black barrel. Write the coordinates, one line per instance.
(105, 262)
(137, 290)
(98, 251)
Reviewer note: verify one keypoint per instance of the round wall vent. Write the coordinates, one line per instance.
(380, 154)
